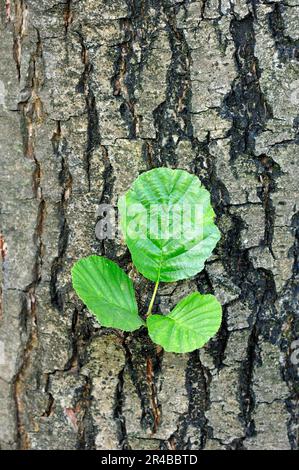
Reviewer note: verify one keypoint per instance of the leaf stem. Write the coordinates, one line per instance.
(149, 312)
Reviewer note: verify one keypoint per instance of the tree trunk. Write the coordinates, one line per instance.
(92, 93)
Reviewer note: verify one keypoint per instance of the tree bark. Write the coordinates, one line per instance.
(93, 93)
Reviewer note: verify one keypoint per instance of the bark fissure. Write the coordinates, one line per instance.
(32, 117)
(65, 178)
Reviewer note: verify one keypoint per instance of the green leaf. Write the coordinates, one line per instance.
(193, 321)
(168, 224)
(107, 292)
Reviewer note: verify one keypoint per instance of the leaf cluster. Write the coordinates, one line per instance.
(168, 225)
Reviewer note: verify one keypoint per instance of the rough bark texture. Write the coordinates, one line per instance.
(92, 93)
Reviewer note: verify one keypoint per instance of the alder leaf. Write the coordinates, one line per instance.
(189, 326)
(168, 224)
(107, 292)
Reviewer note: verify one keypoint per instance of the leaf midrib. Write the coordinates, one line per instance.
(97, 297)
(182, 324)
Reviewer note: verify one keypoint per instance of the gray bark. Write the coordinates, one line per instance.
(92, 93)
